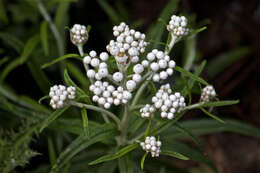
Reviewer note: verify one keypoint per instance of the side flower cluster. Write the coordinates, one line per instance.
(160, 64)
(59, 94)
(178, 26)
(106, 95)
(208, 93)
(166, 102)
(128, 44)
(151, 145)
(79, 34)
(100, 69)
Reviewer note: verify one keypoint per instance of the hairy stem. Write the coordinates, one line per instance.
(53, 27)
(98, 109)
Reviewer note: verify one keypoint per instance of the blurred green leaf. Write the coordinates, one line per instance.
(221, 62)
(85, 121)
(126, 164)
(143, 159)
(174, 154)
(51, 149)
(211, 115)
(10, 66)
(61, 16)
(44, 37)
(189, 153)
(110, 11)
(29, 46)
(189, 74)
(118, 154)
(75, 56)
(3, 16)
(12, 41)
(53, 116)
(81, 143)
(156, 30)
(3, 60)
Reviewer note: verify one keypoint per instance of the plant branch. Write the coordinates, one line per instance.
(98, 109)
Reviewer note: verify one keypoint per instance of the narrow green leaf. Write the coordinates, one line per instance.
(126, 164)
(221, 62)
(118, 154)
(75, 56)
(188, 133)
(11, 66)
(3, 60)
(69, 82)
(174, 154)
(196, 31)
(34, 104)
(51, 149)
(44, 37)
(3, 16)
(30, 45)
(147, 130)
(43, 98)
(61, 16)
(142, 160)
(211, 115)
(85, 121)
(110, 11)
(53, 117)
(210, 126)
(189, 153)
(220, 103)
(81, 143)
(12, 41)
(189, 74)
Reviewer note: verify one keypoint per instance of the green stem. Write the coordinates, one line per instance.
(170, 46)
(53, 27)
(98, 109)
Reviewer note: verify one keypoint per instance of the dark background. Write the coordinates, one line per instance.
(233, 23)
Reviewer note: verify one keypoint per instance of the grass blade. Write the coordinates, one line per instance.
(211, 115)
(220, 103)
(75, 56)
(118, 154)
(30, 45)
(12, 41)
(85, 121)
(112, 14)
(142, 160)
(192, 76)
(44, 37)
(53, 117)
(174, 154)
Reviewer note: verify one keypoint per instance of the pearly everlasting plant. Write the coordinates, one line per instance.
(133, 89)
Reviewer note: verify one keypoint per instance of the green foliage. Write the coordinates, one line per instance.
(79, 140)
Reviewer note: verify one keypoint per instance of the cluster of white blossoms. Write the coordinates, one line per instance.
(128, 44)
(166, 102)
(59, 94)
(100, 69)
(106, 95)
(160, 64)
(79, 34)
(147, 110)
(207, 94)
(151, 145)
(178, 26)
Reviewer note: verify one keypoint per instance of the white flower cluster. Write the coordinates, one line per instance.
(178, 26)
(59, 94)
(99, 65)
(166, 102)
(151, 145)
(160, 64)
(106, 94)
(147, 111)
(208, 93)
(79, 34)
(128, 44)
